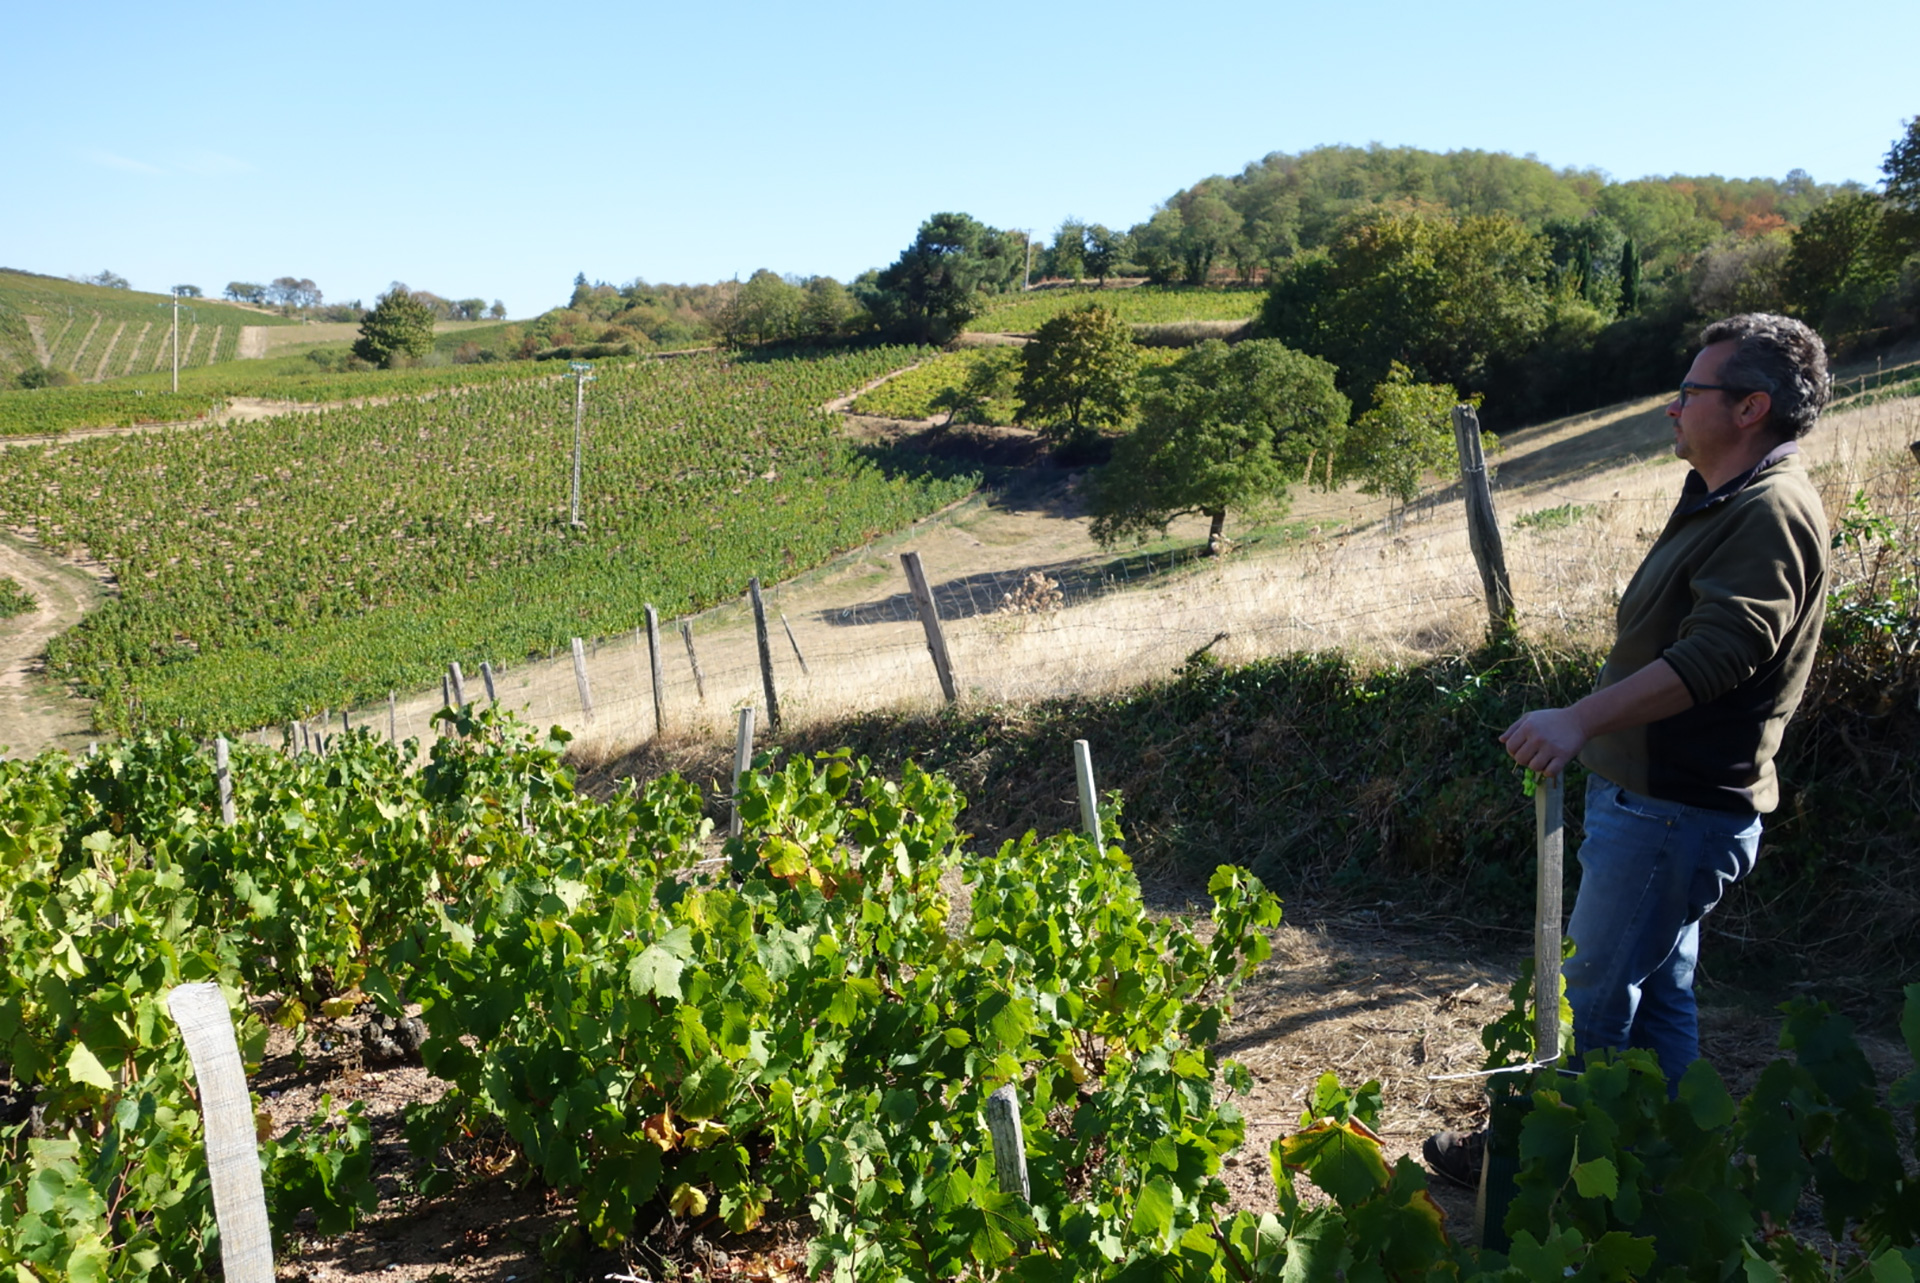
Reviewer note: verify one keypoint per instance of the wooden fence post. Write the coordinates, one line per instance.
(742, 760)
(699, 678)
(766, 653)
(580, 679)
(393, 719)
(233, 1156)
(930, 620)
(1009, 1144)
(1549, 819)
(223, 772)
(459, 680)
(1483, 531)
(653, 667)
(794, 642)
(1089, 800)
(486, 675)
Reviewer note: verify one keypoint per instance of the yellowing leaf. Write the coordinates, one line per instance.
(85, 1067)
(687, 1201)
(335, 1008)
(660, 1130)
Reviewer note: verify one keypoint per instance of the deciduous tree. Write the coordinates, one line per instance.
(399, 325)
(1407, 433)
(1077, 375)
(1229, 429)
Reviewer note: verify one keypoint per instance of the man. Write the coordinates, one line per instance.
(1715, 638)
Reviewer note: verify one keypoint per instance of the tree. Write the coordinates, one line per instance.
(1629, 278)
(1077, 374)
(934, 288)
(1068, 257)
(291, 292)
(498, 311)
(827, 309)
(399, 325)
(763, 310)
(188, 291)
(1106, 250)
(1228, 430)
(245, 292)
(109, 279)
(1405, 435)
(44, 376)
(471, 309)
(1901, 169)
(1448, 298)
(1840, 261)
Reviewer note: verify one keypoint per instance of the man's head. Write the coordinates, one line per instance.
(1779, 356)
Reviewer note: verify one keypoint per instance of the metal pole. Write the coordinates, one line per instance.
(1089, 800)
(579, 413)
(176, 339)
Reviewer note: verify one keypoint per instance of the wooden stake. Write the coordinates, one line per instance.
(766, 653)
(486, 675)
(930, 620)
(699, 678)
(653, 667)
(393, 720)
(1009, 1144)
(1483, 531)
(1089, 800)
(742, 762)
(345, 725)
(233, 1157)
(223, 772)
(791, 641)
(459, 681)
(580, 679)
(1549, 820)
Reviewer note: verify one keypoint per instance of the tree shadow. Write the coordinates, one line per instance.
(1002, 591)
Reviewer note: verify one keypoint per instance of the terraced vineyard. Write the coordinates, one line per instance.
(274, 567)
(1140, 305)
(100, 333)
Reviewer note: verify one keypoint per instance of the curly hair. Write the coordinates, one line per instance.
(1781, 357)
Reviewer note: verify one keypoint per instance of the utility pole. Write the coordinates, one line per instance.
(176, 335)
(582, 375)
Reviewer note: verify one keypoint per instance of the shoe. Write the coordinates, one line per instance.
(1457, 1156)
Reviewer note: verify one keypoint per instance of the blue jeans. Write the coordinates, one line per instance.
(1649, 871)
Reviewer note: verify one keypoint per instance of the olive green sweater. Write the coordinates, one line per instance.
(1731, 595)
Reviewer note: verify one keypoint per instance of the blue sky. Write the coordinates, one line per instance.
(495, 150)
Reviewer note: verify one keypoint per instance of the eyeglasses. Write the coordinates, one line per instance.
(1688, 389)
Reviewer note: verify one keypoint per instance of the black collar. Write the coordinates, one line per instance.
(1695, 496)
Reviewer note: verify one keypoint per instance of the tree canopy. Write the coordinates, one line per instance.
(934, 288)
(1228, 429)
(399, 325)
(1405, 434)
(1077, 374)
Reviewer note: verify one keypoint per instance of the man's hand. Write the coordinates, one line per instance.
(1546, 739)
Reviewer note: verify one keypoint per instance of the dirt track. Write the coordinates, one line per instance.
(34, 715)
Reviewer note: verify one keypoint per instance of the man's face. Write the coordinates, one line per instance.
(1706, 429)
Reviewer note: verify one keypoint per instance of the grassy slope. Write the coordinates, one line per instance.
(1138, 305)
(68, 309)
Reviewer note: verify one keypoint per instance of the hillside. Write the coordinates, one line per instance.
(98, 333)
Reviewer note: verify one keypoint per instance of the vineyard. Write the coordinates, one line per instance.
(45, 411)
(98, 333)
(937, 386)
(269, 568)
(1138, 305)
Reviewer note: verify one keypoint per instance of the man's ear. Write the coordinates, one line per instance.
(1753, 409)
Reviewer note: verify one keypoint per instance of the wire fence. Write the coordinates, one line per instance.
(1393, 590)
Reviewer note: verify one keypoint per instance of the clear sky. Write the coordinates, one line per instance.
(495, 150)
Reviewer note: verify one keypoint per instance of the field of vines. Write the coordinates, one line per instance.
(79, 322)
(36, 411)
(268, 569)
(297, 378)
(931, 388)
(1137, 305)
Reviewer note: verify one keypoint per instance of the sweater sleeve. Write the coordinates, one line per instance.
(1746, 598)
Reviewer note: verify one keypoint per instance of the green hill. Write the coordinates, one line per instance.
(99, 333)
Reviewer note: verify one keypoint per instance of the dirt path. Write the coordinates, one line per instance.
(33, 714)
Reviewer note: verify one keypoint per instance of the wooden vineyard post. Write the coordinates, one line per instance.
(1549, 830)
(345, 725)
(233, 1156)
(446, 693)
(1483, 531)
(1009, 1144)
(293, 742)
(699, 678)
(486, 675)
(580, 679)
(223, 773)
(795, 643)
(393, 719)
(930, 620)
(653, 667)
(1089, 800)
(459, 680)
(742, 760)
(766, 653)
